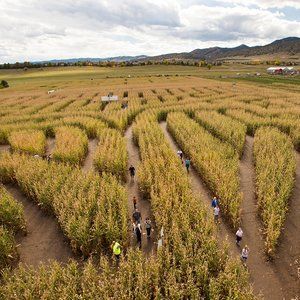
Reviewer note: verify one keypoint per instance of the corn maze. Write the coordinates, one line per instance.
(210, 122)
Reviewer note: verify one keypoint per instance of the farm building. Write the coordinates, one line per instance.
(281, 70)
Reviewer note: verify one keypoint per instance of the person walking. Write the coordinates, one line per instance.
(239, 236)
(187, 164)
(134, 200)
(137, 217)
(180, 154)
(245, 254)
(161, 239)
(214, 202)
(138, 233)
(49, 157)
(216, 214)
(116, 247)
(148, 227)
(132, 172)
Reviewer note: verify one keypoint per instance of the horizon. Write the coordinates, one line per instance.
(102, 29)
(140, 55)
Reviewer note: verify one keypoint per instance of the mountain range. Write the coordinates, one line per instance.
(287, 47)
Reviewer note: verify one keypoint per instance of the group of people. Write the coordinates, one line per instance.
(137, 230)
(137, 217)
(137, 227)
(216, 209)
(187, 161)
(245, 250)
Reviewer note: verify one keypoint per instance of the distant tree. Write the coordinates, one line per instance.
(202, 63)
(4, 83)
(277, 63)
(209, 66)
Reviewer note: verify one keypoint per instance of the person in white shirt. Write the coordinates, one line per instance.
(216, 213)
(180, 154)
(239, 236)
(245, 254)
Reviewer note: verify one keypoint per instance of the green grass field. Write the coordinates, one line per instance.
(60, 77)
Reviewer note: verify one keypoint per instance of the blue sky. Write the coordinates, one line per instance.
(43, 29)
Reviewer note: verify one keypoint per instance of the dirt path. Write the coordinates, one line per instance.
(143, 205)
(44, 239)
(263, 274)
(50, 144)
(200, 189)
(4, 148)
(287, 261)
(88, 162)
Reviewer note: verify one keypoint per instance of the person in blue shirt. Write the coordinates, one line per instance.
(214, 202)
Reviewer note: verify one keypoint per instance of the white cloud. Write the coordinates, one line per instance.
(38, 30)
(234, 24)
(266, 3)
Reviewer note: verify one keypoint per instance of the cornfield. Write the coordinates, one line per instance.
(29, 141)
(209, 120)
(71, 145)
(227, 129)
(91, 210)
(11, 222)
(111, 154)
(275, 166)
(217, 162)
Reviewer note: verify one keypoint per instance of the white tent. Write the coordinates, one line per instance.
(109, 98)
(284, 70)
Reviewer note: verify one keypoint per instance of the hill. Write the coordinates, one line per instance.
(287, 47)
(93, 59)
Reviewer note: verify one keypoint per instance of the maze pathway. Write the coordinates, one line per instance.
(262, 272)
(144, 206)
(44, 240)
(88, 162)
